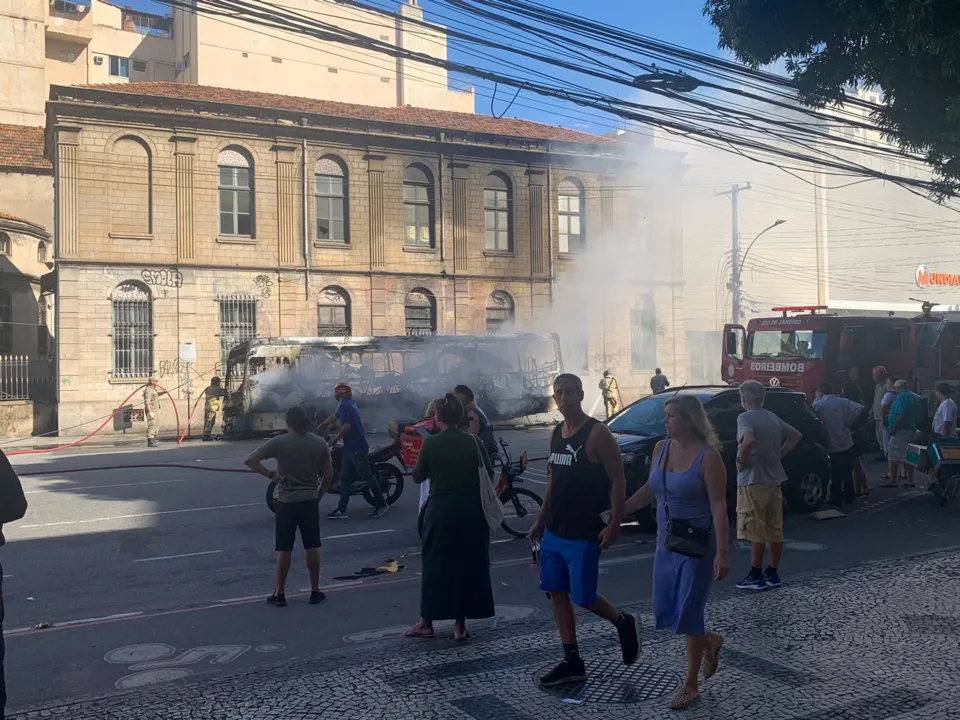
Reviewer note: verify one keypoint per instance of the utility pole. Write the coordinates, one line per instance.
(734, 284)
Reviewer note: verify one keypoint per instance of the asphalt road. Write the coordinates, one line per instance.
(147, 575)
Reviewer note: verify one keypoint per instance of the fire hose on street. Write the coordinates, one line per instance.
(75, 443)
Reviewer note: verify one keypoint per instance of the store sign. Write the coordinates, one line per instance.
(926, 278)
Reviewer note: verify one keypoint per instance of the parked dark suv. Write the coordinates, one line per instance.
(639, 427)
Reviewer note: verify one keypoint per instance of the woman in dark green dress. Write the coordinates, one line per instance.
(455, 584)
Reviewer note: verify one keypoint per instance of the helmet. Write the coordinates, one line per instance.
(341, 391)
(880, 370)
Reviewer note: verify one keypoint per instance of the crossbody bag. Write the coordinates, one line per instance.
(682, 536)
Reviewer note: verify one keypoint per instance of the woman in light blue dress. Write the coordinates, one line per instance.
(689, 473)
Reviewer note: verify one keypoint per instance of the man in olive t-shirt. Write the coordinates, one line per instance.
(304, 471)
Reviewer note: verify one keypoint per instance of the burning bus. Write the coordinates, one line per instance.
(511, 375)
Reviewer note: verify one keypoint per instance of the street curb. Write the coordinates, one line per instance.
(346, 657)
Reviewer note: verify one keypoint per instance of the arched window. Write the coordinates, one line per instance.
(6, 322)
(330, 194)
(570, 216)
(418, 207)
(643, 334)
(420, 312)
(42, 252)
(497, 212)
(500, 311)
(333, 313)
(235, 186)
(5, 245)
(132, 330)
(131, 192)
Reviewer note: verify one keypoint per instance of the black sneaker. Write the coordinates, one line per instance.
(629, 640)
(566, 673)
(337, 515)
(317, 597)
(277, 600)
(379, 512)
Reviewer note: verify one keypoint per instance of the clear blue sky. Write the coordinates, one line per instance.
(676, 21)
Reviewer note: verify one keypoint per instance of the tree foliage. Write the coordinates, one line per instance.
(908, 48)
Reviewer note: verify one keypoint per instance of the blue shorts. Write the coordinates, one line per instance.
(570, 566)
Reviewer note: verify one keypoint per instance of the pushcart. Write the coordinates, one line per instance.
(940, 459)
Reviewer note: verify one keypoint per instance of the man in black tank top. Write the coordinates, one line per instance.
(584, 479)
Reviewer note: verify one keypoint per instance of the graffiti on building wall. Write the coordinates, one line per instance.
(609, 360)
(176, 367)
(265, 284)
(164, 278)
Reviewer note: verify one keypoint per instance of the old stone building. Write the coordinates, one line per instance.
(26, 300)
(190, 213)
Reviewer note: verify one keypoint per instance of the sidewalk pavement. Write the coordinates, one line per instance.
(873, 643)
(104, 439)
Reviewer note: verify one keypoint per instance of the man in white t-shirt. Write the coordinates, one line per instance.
(945, 421)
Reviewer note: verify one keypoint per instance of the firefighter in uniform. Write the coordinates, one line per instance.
(151, 406)
(611, 393)
(211, 406)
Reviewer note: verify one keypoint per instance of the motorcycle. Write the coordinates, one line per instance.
(388, 475)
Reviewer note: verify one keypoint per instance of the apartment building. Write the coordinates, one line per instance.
(188, 213)
(60, 42)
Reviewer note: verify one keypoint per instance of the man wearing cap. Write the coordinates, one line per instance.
(876, 410)
(902, 424)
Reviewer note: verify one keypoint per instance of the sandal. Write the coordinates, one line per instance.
(685, 698)
(711, 657)
(418, 631)
(461, 638)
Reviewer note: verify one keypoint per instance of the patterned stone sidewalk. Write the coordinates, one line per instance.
(874, 643)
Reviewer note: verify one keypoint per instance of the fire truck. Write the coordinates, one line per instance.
(805, 346)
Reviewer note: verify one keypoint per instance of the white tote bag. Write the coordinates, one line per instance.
(492, 509)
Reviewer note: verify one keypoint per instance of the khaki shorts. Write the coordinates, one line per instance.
(760, 513)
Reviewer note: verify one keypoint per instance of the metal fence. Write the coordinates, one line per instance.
(24, 379)
(238, 322)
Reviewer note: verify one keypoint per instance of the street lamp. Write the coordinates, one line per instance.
(743, 260)
(737, 264)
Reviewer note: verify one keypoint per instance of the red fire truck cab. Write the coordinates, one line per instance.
(804, 347)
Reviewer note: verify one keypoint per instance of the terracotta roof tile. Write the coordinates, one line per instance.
(13, 218)
(21, 146)
(440, 119)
